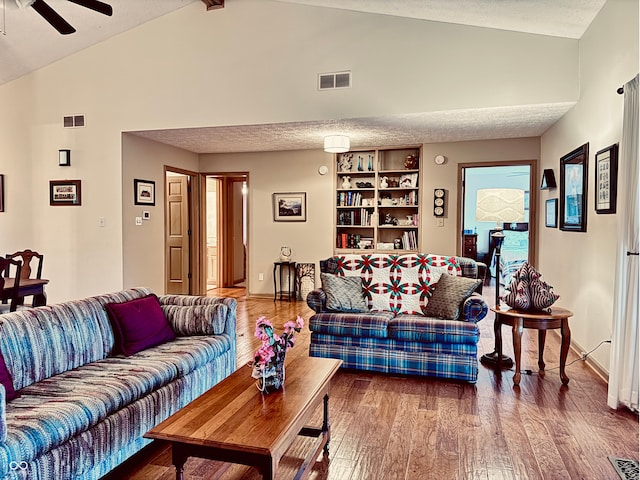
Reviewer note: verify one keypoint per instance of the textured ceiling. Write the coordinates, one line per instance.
(449, 126)
(30, 43)
(558, 18)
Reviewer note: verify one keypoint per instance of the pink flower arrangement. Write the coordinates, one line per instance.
(274, 346)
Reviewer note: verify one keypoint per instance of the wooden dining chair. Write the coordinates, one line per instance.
(9, 293)
(26, 256)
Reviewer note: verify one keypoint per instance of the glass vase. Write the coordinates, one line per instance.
(271, 378)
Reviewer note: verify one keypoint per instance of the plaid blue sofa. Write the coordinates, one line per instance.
(83, 410)
(392, 341)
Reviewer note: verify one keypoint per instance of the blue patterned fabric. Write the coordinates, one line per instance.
(372, 324)
(404, 344)
(85, 419)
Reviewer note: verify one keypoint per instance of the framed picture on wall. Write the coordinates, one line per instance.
(1, 193)
(65, 192)
(290, 207)
(144, 192)
(574, 172)
(606, 179)
(551, 213)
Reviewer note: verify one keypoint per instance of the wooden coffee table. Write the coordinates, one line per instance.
(233, 422)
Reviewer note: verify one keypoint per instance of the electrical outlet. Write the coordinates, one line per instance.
(138, 221)
(261, 276)
(101, 222)
(439, 222)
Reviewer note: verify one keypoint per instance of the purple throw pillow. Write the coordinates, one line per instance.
(6, 380)
(139, 324)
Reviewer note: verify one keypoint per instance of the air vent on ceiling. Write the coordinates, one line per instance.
(331, 81)
(73, 121)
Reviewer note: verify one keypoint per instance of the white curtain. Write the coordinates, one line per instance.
(624, 374)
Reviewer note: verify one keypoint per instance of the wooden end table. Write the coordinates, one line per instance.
(558, 317)
(234, 422)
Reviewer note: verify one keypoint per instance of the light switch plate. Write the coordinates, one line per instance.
(138, 221)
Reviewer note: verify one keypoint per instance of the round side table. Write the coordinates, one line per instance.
(558, 317)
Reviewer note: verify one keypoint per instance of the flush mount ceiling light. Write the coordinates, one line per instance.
(336, 144)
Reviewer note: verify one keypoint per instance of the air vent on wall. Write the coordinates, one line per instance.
(73, 121)
(331, 81)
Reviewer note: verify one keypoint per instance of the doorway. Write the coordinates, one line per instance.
(226, 230)
(182, 275)
(520, 237)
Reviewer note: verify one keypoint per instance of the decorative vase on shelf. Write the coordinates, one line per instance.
(359, 163)
(346, 181)
(370, 167)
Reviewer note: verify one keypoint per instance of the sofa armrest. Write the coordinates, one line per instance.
(474, 309)
(3, 414)
(193, 300)
(317, 300)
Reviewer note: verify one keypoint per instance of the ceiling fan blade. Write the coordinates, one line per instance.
(50, 15)
(95, 5)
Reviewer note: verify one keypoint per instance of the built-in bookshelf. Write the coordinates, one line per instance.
(377, 200)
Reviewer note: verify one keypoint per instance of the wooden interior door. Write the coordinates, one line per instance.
(177, 232)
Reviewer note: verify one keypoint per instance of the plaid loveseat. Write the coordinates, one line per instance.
(83, 409)
(395, 336)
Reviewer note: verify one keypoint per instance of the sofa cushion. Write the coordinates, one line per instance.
(417, 328)
(344, 294)
(448, 295)
(372, 324)
(139, 324)
(197, 319)
(7, 380)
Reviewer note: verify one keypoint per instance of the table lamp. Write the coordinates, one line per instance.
(500, 205)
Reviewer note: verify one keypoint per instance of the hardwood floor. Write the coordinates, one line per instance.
(391, 427)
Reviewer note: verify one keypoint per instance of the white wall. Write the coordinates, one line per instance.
(255, 61)
(581, 266)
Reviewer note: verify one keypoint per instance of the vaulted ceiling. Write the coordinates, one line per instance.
(29, 43)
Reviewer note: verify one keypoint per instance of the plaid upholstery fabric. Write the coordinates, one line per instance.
(373, 324)
(474, 309)
(83, 411)
(317, 300)
(457, 362)
(426, 330)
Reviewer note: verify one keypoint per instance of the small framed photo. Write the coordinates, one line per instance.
(551, 213)
(144, 192)
(146, 215)
(65, 192)
(290, 207)
(607, 179)
(574, 168)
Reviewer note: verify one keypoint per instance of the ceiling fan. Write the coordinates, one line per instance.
(56, 21)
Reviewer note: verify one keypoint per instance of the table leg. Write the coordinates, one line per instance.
(564, 349)
(518, 327)
(326, 427)
(275, 283)
(179, 458)
(542, 336)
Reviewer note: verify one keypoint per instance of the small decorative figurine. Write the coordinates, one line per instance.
(285, 254)
(345, 162)
(383, 183)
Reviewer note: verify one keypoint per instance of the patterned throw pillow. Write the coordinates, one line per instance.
(344, 294)
(449, 293)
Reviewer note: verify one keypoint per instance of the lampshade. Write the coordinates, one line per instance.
(336, 144)
(501, 205)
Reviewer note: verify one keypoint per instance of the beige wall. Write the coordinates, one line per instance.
(143, 246)
(581, 266)
(271, 172)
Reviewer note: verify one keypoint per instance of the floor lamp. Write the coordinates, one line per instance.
(500, 205)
